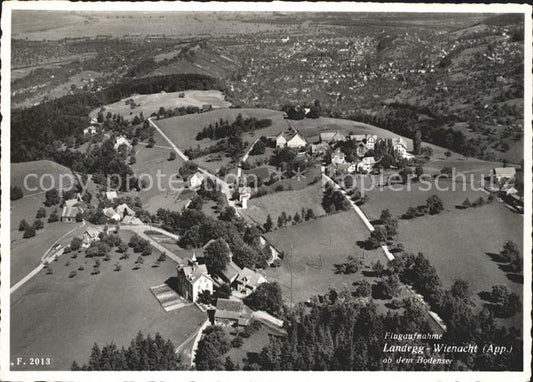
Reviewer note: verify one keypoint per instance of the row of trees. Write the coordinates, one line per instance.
(224, 129)
(284, 219)
(433, 206)
(143, 353)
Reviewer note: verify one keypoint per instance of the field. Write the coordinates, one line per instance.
(460, 244)
(289, 201)
(397, 202)
(318, 245)
(182, 130)
(42, 175)
(154, 161)
(62, 317)
(150, 103)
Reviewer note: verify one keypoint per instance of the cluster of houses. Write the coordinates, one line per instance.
(364, 144)
(193, 278)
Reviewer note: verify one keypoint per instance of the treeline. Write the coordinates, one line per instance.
(35, 130)
(143, 353)
(224, 129)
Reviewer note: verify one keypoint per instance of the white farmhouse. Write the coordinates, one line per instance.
(91, 130)
(120, 140)
(193, 279)
(292, 139)
(196, 180)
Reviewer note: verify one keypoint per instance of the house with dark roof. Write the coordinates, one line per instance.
(247, 281)
(501, 174)
(69, 213)
(232, 313)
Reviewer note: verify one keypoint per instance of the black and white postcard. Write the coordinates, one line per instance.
(220, 191)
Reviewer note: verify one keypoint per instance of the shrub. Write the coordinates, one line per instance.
(16, 193)
(38, 224)
(53, 218)
(29, 232)
(23, 225)
(434, 205)
(41, 213)
(237, 342)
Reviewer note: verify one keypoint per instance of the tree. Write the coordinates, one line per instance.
(499, 294)
(448, 154)
(434, 205)
(223, 292)
(510, 251)
(79, 217)
(377, 237)
(419, 171)
(41, 213)
(23, 225)
(460, 289)
(205, 297)
(16, 193)
(467, 203)
(52, 198)
(228, 214)
(410, 214)
(171, 156)
(217, 256)
(38, 224)
(75, 243)
(122, 248)
(268, 224)
(296, 219)
(352, 265)
(378, 268)
(151, 142)
(362, 289)
(259, 148)
(389, 287)
(53, 217)
(417, 142)
(29, 232)
(310, 214)
(405, 173)
(267, 297)
(213, 344)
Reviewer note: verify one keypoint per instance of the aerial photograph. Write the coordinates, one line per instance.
(266, 190)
